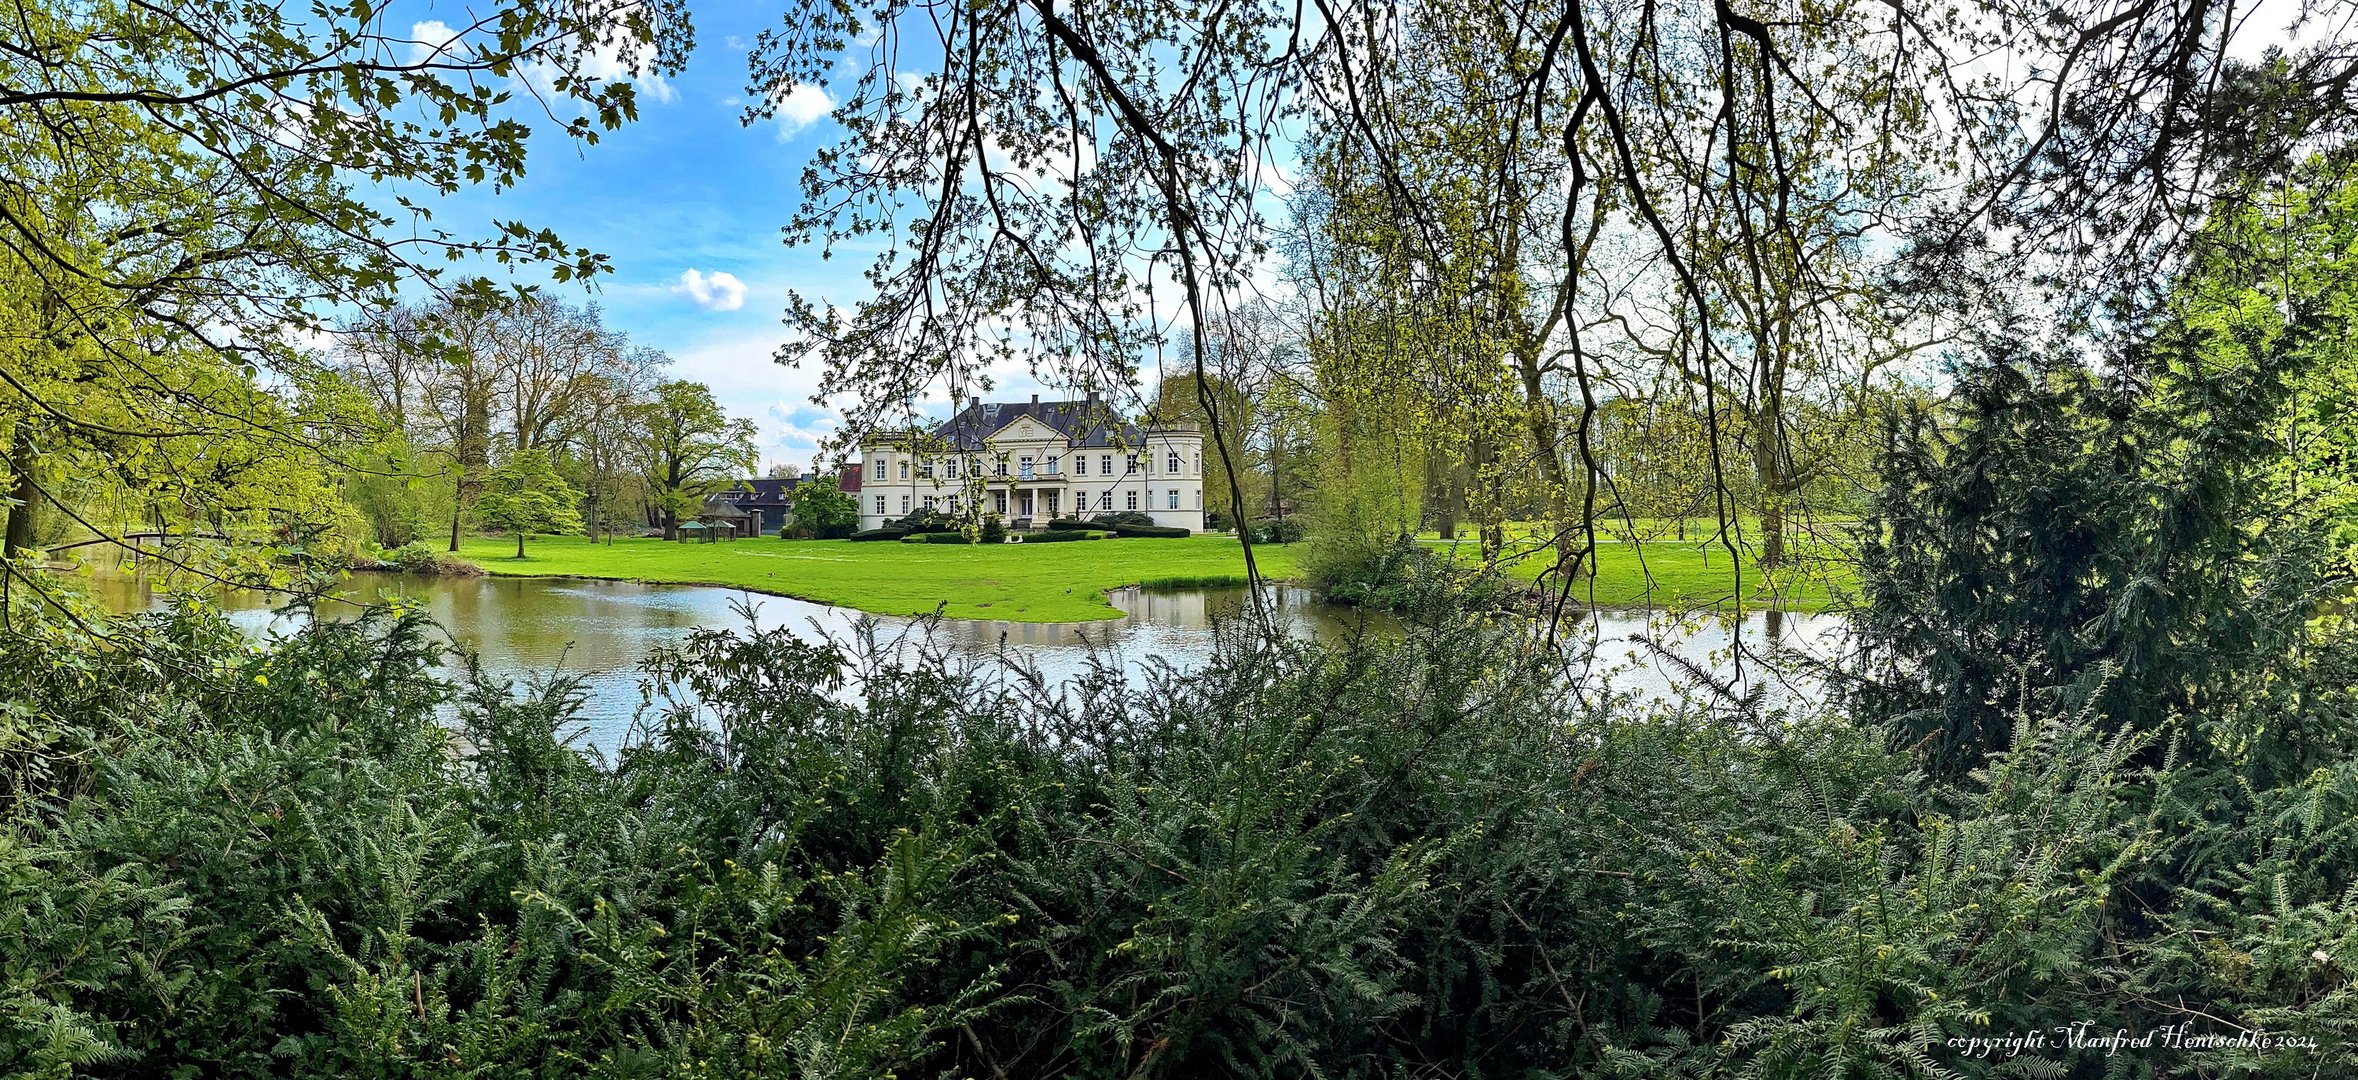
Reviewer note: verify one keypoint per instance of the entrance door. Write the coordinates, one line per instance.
(1023, 503)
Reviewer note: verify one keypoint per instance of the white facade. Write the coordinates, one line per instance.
(1029, 467)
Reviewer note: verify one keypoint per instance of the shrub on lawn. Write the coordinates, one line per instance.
(417, 558)
(1125, 517)
(1067, 523)
(936, 538)
(923, 521)
(1059, 536)
(1144, 532)
(886, 533)
(1277, 530)
(994, 531)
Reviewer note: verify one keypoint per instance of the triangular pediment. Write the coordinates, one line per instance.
(1025, 429)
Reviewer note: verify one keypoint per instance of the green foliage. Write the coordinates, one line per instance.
(824, 512)
(994, 531)
(418, 558)
(1277, 531)
(688, 449)
(1349, 859)
(1060, 536)
(527, 496)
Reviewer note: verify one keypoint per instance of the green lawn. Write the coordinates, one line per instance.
(1690, 575)
(1068, 582)
(1023, 582)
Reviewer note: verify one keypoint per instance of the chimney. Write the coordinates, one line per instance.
(1035, 399)
(1092, 397)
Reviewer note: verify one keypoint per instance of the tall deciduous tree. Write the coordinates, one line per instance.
(177, 199)
(688, 449)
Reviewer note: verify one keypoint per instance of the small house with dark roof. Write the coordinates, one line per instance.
(767, 502)
(1030, 461)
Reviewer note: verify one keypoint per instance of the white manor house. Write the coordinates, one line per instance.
(1032, 461)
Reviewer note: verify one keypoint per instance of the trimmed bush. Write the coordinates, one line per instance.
(994, 531)
(1059, 536)
(1146, 532)
(886, 533)
(1277, 530)
(1067, 523)
(936, 538)
(1125, 517)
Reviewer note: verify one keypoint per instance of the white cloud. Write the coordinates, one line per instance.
(717, 291)
(801, 107)
(431, 39)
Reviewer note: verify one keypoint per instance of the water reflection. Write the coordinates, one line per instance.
(524, 627)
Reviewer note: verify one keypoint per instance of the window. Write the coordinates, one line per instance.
(999, 468)
(953, 504)
(904, 470)
(952, 470)
(880, 502)
(1080, 464)
(1105, 464)
(1051, 466)
(1174, 470)
(925, 470)
(1130, 466)
(1132, 500)
(999, 502)
(880, 473)
(904, 504)
(1052, 498)
(1199, 498)
(1174, 499)
(929, 502)
(1105, 501)
(1024, 467)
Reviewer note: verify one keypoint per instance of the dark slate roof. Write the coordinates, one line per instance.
(1083, 423)
(767, 491)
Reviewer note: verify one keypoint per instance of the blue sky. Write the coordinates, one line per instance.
(688, 203)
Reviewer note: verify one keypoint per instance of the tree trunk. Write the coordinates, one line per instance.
(473, 454)
(671, 524)
(1442, 489)
(1769, 464)
(519, 543)
(21, 517)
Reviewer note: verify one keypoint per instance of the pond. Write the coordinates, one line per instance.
(523, 627)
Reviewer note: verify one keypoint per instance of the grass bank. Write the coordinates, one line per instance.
(1022, 582)
(1693, 575)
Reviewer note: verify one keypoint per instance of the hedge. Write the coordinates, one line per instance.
(879, 534)
(935, 538)
(1059, 536)
(1142, 532)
